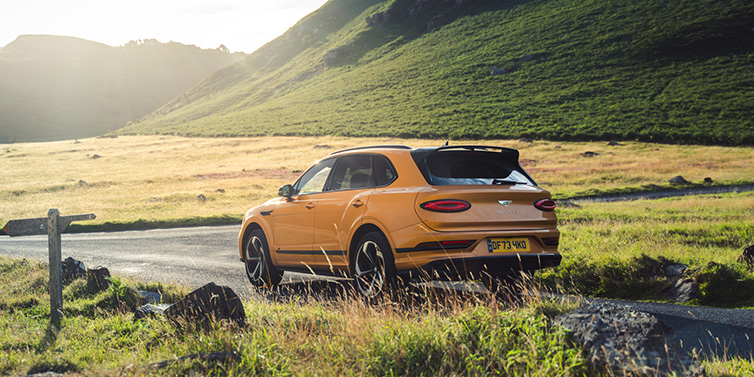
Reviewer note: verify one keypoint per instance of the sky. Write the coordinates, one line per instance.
(240, 25)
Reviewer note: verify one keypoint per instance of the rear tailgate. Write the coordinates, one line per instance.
(492, 208)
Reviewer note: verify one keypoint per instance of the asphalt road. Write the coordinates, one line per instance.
(196, 256)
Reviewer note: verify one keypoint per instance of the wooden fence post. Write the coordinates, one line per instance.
(53, 225)
(56, 269)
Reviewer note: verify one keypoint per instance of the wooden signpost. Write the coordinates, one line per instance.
(52, 225)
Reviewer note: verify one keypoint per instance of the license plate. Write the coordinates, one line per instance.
(507, 245)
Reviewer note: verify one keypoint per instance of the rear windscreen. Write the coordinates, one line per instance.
(454, 167)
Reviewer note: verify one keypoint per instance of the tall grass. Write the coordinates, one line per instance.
(297, 333)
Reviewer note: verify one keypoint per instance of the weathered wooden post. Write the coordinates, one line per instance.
(53, 225)
(56, 269)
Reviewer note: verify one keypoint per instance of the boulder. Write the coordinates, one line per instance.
(684, 290)
(72, 269)
(627, 342)
(150, 311)
(150, 297)
(97, 279)
(613, 143)
(678, 180)
(674, 270)
(589, 154)
(497, 71)
(526, 58)
(210, 303)
(708, 181)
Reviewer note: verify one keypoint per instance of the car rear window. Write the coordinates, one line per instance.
(472, 167)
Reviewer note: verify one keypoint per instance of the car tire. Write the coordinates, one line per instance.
(511, 284)
(259, 268)
(373, 266)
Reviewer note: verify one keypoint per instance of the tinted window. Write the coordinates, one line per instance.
(353, 172)
(315, 178)
(474, 168)
(384, 173)
(361, 171)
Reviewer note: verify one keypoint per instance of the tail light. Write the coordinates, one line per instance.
(545, 205)
(446, 205)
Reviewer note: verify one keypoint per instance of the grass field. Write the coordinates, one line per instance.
(610, 250)
(157, 180)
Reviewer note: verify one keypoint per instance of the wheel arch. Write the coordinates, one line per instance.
(360, 232)
(246, 233)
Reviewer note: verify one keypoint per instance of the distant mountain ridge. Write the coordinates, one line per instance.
(55, 87)
(676, 72)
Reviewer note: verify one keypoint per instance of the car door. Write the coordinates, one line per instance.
(293, 220)
(341, 208)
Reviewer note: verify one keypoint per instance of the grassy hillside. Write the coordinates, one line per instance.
(54, 88)
(674, 72)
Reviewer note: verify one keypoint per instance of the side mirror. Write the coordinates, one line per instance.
(286, 191)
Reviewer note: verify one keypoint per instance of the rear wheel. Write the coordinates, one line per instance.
(259, 268)
(373, 265)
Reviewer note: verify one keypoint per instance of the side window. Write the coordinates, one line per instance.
(353, 172)
(314, 179)
(384, 173)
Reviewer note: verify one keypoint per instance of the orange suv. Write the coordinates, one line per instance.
(384, 214)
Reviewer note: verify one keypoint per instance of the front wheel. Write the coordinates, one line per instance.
(259, 268)
(373, 265)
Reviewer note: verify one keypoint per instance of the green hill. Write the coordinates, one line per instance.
(666, 71)
(55, 87)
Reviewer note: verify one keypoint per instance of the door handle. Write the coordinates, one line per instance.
(357, 203)
(309, 205)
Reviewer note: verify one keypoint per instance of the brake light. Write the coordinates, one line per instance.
(446, 205)
(545, 205)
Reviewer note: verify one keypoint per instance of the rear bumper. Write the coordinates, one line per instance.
(476, 267)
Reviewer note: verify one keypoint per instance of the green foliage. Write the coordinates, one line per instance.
(725, 285)
(671, 72)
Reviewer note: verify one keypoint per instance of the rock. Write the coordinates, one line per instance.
(525, 140)
(150, 311)
(207, 304)
(678, 180)
(747, 256)
(684, 290)
(97, 279)
(526, 58)
(613, 143)
(96, 156)
(221, 190)
(589, 154)
(72, 269)
(201, 198)
(497, 71)
(708, 181)
(150, 297)
(82, 183)
(675, 270)
(628, 342)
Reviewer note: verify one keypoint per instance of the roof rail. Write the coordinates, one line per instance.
(371, 147)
